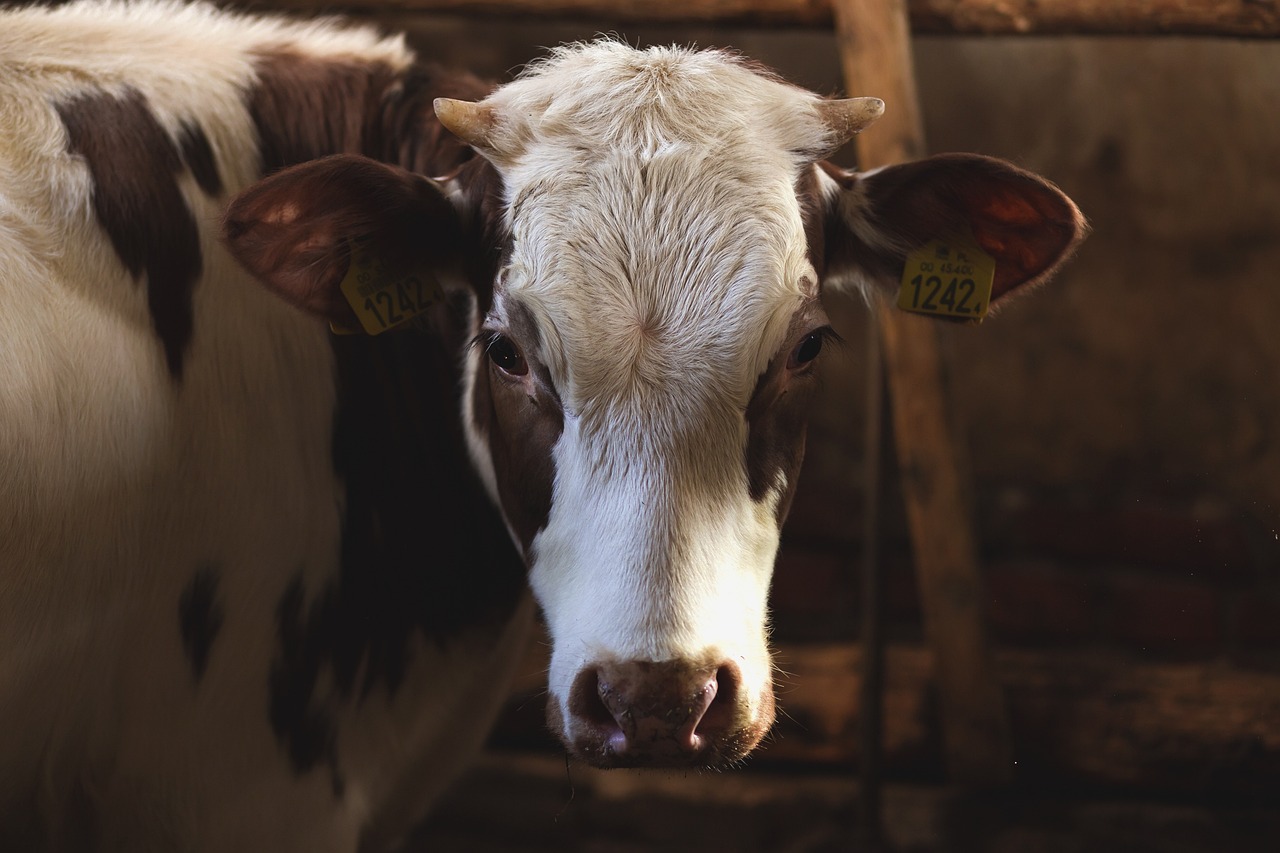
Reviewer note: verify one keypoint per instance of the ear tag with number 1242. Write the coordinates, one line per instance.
(948, 278)
(382, 298)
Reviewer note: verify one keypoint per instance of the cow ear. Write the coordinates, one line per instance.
(294, 230)
(875, 219)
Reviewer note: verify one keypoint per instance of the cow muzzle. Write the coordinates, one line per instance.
(661, 714)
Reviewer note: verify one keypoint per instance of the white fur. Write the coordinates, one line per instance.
(116, 484)
(659, 244)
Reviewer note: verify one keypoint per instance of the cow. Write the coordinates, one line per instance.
(325, 369)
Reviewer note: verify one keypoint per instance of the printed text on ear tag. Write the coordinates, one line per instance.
(948, 278)
(382, 298)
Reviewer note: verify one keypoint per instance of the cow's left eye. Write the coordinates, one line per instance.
(807, 350)
(503, 353)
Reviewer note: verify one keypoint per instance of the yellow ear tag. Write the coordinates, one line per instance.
(948, 278)
(382, 298)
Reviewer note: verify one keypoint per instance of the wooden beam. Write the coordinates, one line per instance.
(1084, 719)
(975, 721)
(1240, 18)
(1237, 18)
(875, 51)
(534, 802)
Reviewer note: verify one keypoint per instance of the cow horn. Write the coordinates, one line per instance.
(473, 123)
(846, 117)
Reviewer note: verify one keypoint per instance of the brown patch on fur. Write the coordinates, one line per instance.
(409, 132)
(305, 108)
(520, 431)
(424, 552)
(488, 243)
(813, 213)
(777, 422)
(135, 167)
(198, 155)
(416, 512)
(777, 427)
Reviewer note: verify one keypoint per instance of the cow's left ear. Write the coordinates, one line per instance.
(875, 219)
(294, 230)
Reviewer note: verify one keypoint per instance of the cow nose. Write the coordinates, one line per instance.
(641, 713)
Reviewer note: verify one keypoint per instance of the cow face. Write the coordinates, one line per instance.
(645, 346)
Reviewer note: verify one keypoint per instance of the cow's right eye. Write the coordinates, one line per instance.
(809, 347)
(506, 356)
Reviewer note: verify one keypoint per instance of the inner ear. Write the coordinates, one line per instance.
(1024, 222)
(294, 230)
(1027, 233)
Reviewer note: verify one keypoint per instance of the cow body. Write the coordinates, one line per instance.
(206, 645)
(262, 585)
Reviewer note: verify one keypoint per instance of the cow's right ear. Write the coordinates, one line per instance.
(294, 230)
(1026, 224)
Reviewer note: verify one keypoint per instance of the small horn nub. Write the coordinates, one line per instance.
(846, 117)
(471, 122)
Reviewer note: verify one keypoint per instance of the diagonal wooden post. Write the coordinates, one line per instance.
(875, 49)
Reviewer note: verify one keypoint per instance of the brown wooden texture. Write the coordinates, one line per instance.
(875, 51)
(1086, 717)
(1083, 719)
(1241, 18)
(527, 803)
(975, 723)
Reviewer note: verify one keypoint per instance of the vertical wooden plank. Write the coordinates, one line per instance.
(875, 49)
(975, 723)
(875, 55)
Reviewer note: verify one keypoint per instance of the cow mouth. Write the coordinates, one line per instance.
(607, 750)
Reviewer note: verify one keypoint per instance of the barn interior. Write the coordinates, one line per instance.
(1116, 439)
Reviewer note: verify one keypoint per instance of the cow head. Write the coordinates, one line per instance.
(648, 236)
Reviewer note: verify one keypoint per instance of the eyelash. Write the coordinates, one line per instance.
(502, 352)
(818, 338)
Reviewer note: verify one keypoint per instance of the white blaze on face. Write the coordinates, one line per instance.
(654, 549)
(647, 559)
(659, 249)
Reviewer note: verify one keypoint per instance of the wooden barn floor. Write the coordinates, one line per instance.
(525, 803)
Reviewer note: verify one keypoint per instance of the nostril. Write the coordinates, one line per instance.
(592, 701)
(689, 737)
(729, 680)
(587, 698)
(721, 709)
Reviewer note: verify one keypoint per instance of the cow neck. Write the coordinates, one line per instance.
(424, 552)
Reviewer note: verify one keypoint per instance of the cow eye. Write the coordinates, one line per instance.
(807, 350)
(504, 354)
